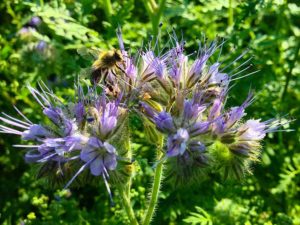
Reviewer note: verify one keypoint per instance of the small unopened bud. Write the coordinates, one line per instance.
(151, 132)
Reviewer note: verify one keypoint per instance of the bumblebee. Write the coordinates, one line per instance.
(105, 62)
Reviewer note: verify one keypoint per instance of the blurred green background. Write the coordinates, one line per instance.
(32, 50)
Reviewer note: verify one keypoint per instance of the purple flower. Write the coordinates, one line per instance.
(197, 67)
(178, 63)
(70, 127)
(164, 122)
(197, 146)
(216, 109)
(177, 143)
(79, 112)
(49, 149)
(54, 114)
(108, 112)
(75, 141)
(33, 156)
(219, 125)
(53, 146)
(34, 132)
(55, 149)
(101, 156)
(183, 99)
(193, 111)
(148, 110)
(130, 68)
(35, 21)
(253, 130)
(26, 30)
(50, 142)
(152, 66)
(41, 46)
(199, 127)
(236, 113)
(216, 77)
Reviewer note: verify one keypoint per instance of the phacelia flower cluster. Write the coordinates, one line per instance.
(78, 132)
(182, 96)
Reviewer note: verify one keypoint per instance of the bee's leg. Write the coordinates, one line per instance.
(104, 76)
(113, 72)
(123, 71)
(130, 84)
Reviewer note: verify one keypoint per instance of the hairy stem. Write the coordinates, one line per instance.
(127, 205)
(156, 186)
(129, 155)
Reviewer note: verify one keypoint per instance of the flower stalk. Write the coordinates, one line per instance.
(108, 9)
(158, 174)
(127, 205)
(230, 13)
(155, 11)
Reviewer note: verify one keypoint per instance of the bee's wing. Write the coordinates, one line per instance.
(85, 73)
(89, 53)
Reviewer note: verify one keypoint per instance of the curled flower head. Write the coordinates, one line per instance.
(69, 135)
(185, 129)
(237, 143)
(198, 125)
(53, 141)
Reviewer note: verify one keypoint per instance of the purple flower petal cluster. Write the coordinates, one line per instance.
(183, 96)
(52, 141)
(185, 100)
(69, 135)
(194, 116)
(183, 130)
(100, 155)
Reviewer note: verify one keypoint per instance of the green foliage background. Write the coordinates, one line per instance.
(269, 28)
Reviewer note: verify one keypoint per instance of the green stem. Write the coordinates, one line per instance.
(230, 14)
(153, 4)
(156, 186)
(155, 12)
(156, 17)
(108, 9)
(289, 74)
(129, 155)
(127, 206)
(149, 8)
